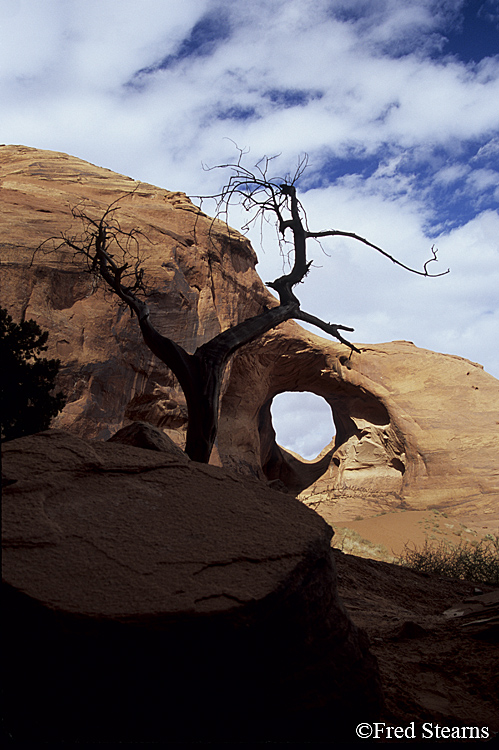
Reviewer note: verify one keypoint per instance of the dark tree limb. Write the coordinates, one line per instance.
(112, 254)
(331, 328)
(338, 233)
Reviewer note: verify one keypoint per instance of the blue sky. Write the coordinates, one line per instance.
(395, 102)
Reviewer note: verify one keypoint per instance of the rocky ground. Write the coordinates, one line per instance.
(87, 531)
(437, 666)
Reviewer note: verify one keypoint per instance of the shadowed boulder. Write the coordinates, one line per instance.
(152, 598)
(144, 435)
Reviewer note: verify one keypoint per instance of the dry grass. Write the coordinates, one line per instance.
(471, 561)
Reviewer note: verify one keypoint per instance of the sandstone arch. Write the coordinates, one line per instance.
(415, 428)
(367, 454)
(407, 435)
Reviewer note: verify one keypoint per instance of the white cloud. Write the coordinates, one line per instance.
(481, 179)
(451, 173)
(403, 140)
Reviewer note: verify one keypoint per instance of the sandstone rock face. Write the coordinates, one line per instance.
(414, 428)
(150, 598)
(202, 278)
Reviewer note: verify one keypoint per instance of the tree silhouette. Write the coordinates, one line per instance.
(26, 379)
(113, 254)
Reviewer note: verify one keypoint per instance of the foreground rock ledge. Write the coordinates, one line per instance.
(149, 598)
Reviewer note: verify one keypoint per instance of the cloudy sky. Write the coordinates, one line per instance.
(396, 103)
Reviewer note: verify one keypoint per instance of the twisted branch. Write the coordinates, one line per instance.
(274, 199)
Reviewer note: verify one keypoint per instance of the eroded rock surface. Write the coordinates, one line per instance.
(414, 428)
(152, 598)
(201, 276)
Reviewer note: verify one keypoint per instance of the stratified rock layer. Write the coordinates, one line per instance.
(149, 598)
(414, 429)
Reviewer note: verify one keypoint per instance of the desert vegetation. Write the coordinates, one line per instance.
(472, 561)
(28, 401)
(467, 560)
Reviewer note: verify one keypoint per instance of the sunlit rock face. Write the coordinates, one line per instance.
(413, 428)
(201, 277)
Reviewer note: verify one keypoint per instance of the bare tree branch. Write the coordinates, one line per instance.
(262, 196)
(339, 233)
(113, 254)
(331, 328)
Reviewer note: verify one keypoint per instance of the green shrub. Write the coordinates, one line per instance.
(471, 561)
(27, 404)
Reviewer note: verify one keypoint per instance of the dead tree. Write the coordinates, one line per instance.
(200, 374)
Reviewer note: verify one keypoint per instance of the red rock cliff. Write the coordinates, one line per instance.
(413, 428)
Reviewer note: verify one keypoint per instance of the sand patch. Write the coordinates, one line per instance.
(384, 537)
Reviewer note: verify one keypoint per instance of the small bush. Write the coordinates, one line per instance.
(27, 379)
(471, 561)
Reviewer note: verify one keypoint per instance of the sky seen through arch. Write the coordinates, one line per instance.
(303, 422)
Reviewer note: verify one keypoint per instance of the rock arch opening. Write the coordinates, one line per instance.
(369, 455)
(359, 452)
(303, 423)
(300, 411)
